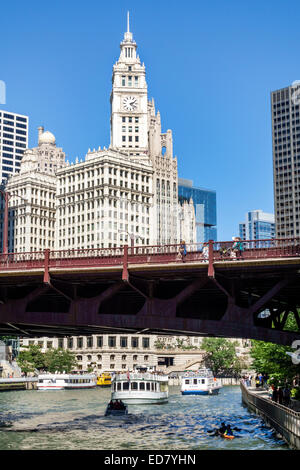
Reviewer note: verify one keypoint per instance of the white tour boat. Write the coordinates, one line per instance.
(63, 381)
(142, 386)
(201, 382)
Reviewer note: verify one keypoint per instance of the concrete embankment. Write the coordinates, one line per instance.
(284, 420)
(24, 383)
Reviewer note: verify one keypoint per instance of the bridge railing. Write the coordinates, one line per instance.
(165, 253)
(172, 253)
(94, 256)
(257, 249)
(23, 259)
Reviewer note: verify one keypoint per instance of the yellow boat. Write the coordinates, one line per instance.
(104, 380)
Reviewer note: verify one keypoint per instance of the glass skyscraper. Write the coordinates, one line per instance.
(205, 204)
(258, 225)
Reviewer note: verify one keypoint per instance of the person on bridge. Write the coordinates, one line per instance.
(182, 249)
(237, 248)
(205, 252)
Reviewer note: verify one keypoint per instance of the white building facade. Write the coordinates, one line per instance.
(32, 197)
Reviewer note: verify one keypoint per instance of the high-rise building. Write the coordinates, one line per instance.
(136, 130)
(258, 225)
(13, 142)
(32, 197)
(205, 205)
(286, 160)
(127, 193)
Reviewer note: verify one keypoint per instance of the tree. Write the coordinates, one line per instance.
(53, 360)
(272, 359)
(31, 358)
(59, 360)
(220, 356)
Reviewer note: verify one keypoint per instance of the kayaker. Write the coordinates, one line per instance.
(228, 431)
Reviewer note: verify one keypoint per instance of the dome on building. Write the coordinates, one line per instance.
(46, 138)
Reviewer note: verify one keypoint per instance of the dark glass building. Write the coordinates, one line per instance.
(205, 203)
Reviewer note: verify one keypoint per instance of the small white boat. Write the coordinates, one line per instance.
(201, 382)
(64, 381)
(142, 386)
(113, 410)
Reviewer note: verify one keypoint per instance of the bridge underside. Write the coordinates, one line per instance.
(169, 299)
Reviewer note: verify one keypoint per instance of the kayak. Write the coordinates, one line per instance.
(227, 437)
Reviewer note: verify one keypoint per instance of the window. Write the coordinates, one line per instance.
(123, 342)
(146, 343)
(99, 341)
(112, 341)
(89, 342)
(79, 342)
(187, 381)
(134, 342)
(142, 385)
(134, 386)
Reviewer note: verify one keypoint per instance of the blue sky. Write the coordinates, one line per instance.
(210, 67)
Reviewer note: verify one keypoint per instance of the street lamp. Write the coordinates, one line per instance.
(132, 236)
(7, 196)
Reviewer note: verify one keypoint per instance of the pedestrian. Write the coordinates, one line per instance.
(286, 395)
(280, 396)
(237, 248)
(182, 250)
(205, 252)
(275, 394)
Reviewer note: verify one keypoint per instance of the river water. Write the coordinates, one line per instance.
(74, 420)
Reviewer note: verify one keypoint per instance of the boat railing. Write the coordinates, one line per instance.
(141, 376)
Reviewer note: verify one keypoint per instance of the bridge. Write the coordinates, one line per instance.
(152, 289)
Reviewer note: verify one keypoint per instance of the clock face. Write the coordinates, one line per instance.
(130, 103)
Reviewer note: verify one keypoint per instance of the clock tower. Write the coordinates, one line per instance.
(129, 103)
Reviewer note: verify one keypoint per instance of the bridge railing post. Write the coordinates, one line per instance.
(211, 271)
(46, 266)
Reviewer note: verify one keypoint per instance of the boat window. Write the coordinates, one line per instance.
(203, 381)
(187, 381)
(119, 386)
(115, 386)
(142, 385)
(152, 386)
(195, 381)
(148, 386)
(134, 386)
(125, 385)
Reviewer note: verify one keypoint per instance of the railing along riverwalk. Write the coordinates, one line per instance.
(283, 419)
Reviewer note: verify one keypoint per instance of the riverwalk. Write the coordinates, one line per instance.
(283, 419)
(18, 383)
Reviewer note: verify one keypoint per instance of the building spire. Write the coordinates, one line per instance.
(128, 34)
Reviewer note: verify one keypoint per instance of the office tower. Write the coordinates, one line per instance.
(204, 201)
(286, 160)
(13, 142)
(258, 225)
(136, 130)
